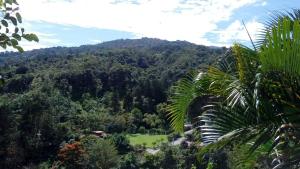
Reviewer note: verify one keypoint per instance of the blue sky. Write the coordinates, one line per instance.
(207, 22)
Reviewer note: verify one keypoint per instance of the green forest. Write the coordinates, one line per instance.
(57, 95)
(151, 104)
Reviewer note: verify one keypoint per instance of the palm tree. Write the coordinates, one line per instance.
(251, 95)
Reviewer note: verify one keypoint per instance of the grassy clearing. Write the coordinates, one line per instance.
(148, 140)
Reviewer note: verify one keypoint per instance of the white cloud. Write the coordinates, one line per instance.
(237, 32)
(32, 45)
(96, 41)
(166, 19)
(45, 40)
(26, 46)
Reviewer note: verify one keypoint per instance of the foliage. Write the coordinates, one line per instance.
(51, 96)
(250, 96)
(169, 158)
(130, 160)
(172, 157)
(88, 152)
(152, 120)
(102, 154)
(210, 165)
(32, 129)
(186, 92)
(239, 157)
(11, 32)
(121, 142)
(72, 155)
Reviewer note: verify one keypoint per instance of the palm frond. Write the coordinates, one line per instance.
(258, 94)
(281, 51)
(185, 92)
(273, 21)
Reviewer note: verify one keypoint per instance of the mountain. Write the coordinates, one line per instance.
(54, 95)
(117, 65)
(136, 72)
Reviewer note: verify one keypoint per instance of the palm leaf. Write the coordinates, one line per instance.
(273, 21)
(281, 51)
(185, 92)
(258, 94)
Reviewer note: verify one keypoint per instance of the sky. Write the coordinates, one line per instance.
(206, 22)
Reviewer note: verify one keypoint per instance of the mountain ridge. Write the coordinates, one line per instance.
(124, 67)
(118, 43)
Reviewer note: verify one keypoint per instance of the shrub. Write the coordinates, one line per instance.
(121, 142)
(72, 155)
(101, 154)
(22, 70)
(129, 161)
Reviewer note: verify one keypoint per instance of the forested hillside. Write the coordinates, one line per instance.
(50, 96)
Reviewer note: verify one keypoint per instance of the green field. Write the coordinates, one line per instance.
(148, 140)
